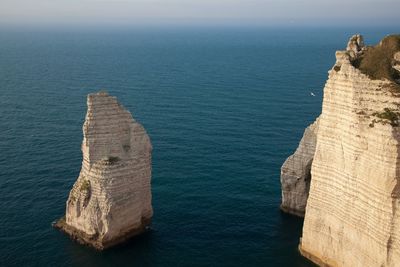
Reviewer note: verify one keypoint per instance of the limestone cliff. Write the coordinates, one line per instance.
(352, 215)
(111, 199)
(296, 173)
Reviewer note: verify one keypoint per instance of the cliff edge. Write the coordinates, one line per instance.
(352, 214)
(111, 200)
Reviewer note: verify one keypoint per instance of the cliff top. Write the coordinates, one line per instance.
(378, 62)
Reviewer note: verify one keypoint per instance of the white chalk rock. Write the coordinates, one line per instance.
(111, 200)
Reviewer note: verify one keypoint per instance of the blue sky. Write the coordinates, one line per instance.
(187, 12)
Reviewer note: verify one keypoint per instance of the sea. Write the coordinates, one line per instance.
(223, 106)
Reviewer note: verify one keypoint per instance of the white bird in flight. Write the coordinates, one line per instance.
(312, 94)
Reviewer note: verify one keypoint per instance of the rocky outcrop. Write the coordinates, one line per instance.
(352, 215)
(296, 173)
(111, 199)
(396, 63)
(355, 46)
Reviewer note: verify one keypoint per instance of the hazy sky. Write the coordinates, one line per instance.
(183, 12)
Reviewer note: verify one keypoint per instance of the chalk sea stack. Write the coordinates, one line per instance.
(352, 215)
(111, 200)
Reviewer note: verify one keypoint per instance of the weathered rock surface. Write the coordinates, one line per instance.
(352, 215)
(296, 173)
(355, 45)
(396, 62)
(111, 199)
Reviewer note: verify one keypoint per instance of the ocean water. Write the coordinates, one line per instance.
(223, 107)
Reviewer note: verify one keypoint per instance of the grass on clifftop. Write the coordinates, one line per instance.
(376, 61)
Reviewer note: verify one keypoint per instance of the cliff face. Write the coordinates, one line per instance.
(296, 173)
(352, 216)
(111, 199)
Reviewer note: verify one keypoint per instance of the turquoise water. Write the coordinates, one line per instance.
(223, 108)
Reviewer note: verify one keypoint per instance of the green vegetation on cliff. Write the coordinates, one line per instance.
(377, 61)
